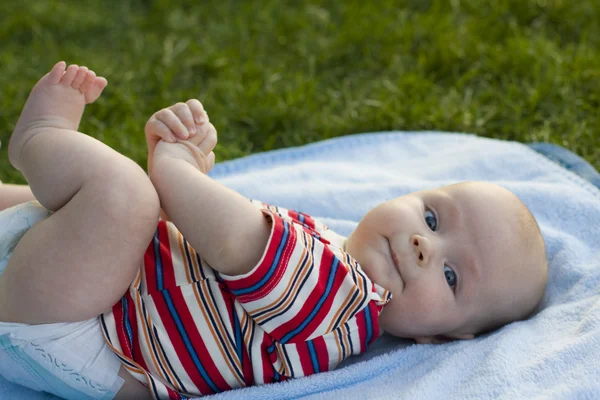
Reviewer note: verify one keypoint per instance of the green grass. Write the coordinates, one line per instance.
(275, 73)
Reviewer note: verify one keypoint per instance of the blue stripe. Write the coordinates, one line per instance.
(158, 262)
(125, 308)
(162, 349)
(369, 328)
(293, 284)
(313, 356)
(349, 338)
(315, 310)
(204, 296)
(110, 340)
(188, 257)
(288, 361)
(339, 333)
(273, 265)
(205, 301)
(187, 342)
(350, 305)
(238, 336)
(301, 217)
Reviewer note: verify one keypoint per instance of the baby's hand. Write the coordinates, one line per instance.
(181, 122)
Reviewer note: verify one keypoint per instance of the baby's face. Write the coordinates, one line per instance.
(447, 255)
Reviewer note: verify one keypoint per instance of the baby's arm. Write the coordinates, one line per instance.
(180, 121)
(224, 227)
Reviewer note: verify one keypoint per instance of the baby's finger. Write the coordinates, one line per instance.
(172, 121)
(184, 113)
(210, 158)
(210, 140)
(158, 128)
(200, 116)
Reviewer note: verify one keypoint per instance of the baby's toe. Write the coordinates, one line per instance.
(79, 78)
(95, 89)
(67, 78)
(89, 78)
(57, 72)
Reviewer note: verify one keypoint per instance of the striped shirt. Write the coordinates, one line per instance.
(185, 330)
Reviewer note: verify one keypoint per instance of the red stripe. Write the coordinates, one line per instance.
(263, 269)
(134, 352)
(229, 301)
(121, 331)
(362, 329)
(322, 353)
(198, 344)
(305, 360)
(308, 220)
(168, 273)
(186, 319)
(150, 266)
(295, 216)
(247, 366)
(178, 345)
(171, 327)
(310, 303)
(137, 351)
(247, 371)
(173, 395)
(374, 310)
(267, 367)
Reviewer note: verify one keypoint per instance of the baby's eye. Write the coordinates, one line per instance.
(430, 219)
(450, 276)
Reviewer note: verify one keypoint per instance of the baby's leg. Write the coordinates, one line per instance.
(77, 263)
(11, 195)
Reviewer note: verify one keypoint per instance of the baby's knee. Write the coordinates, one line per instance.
(129, 193)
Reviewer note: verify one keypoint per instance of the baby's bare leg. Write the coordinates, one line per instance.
(11, 195)
(77, 263)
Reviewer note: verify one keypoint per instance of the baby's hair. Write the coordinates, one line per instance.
(534, 241)
(535, 260)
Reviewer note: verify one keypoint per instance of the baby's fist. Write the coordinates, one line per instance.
(180, 121)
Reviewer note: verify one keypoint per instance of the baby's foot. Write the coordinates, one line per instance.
(56, 101)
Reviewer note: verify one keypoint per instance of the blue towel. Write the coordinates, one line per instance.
(553, 354)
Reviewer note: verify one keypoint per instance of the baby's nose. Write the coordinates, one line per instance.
(423, 249)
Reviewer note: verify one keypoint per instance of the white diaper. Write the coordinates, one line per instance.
(70, 360)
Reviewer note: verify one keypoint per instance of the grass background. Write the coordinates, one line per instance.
(276, 73)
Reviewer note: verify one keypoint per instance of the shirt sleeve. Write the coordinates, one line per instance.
(302, 287)
(295, 216)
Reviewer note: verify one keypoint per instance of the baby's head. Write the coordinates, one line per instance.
(459, 260)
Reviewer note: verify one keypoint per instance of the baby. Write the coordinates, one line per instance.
(226, 292)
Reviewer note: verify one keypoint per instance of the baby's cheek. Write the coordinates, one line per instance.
(423, 304)
(418, 310)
